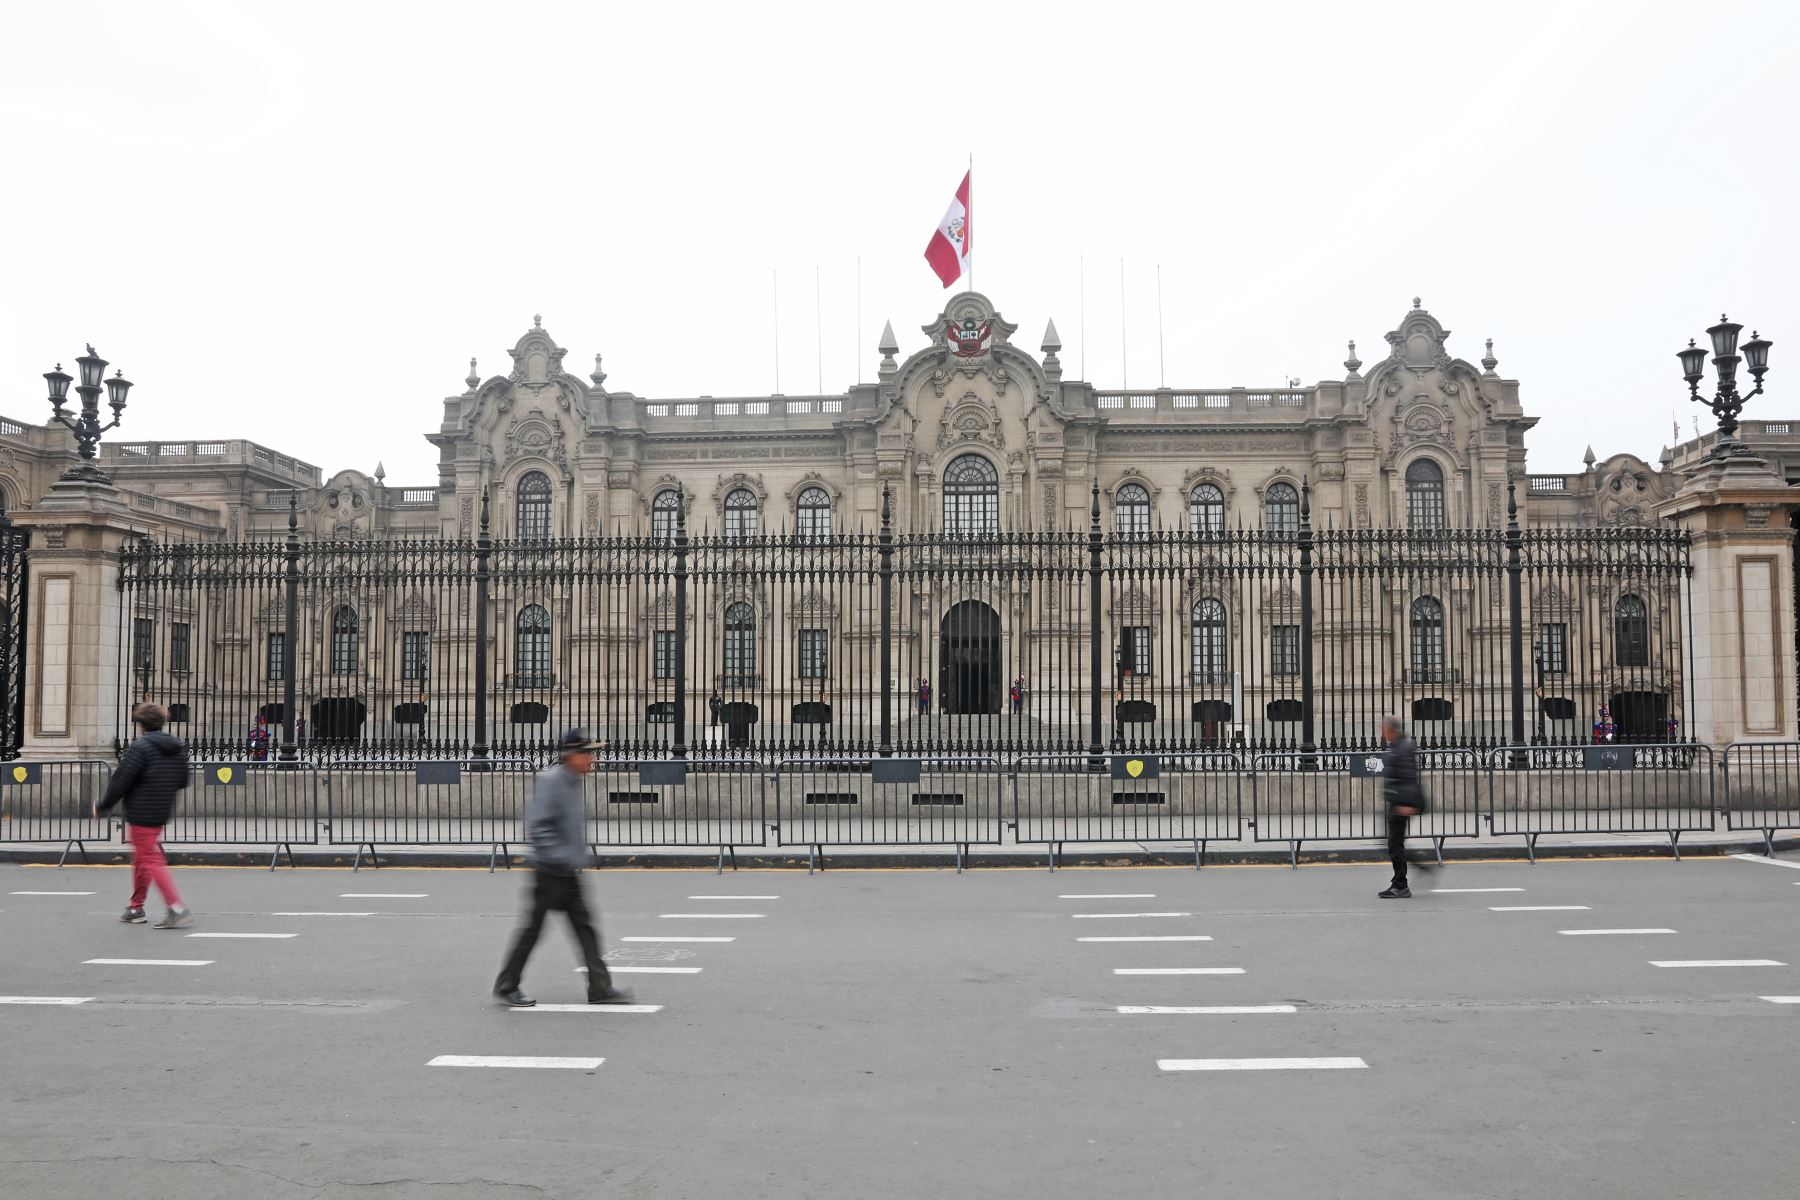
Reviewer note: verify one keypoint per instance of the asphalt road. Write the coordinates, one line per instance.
(914, 1033)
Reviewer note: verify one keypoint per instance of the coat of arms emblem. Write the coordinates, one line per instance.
(967, 338)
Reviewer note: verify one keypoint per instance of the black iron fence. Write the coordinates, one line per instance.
(911, 643)
(15, 592)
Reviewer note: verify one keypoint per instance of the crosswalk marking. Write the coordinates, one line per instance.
(1605, 932)
(1121, 916)
(591, 1008)
(45, 999)
(1539, 908)
(1260, 1064)
(1178, 970)
(1717, 962)
(50, 893)
(1221, 1010)
(513, 1060)
(148, 962)
(243, 935)
(678, 939)
(1109, 896)
(1166, 937)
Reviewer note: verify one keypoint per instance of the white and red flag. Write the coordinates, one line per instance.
(948, 251)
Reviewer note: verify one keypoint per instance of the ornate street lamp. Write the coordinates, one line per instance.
(87, 427)
(1726, 403)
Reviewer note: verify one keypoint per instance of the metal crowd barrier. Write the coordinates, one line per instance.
(941, 801)
(1762, 788)
(1335, 796)
(1661, 788)
(1186, 797)
(700, 802)
(54, 802)
(428, 802)
(248, 804)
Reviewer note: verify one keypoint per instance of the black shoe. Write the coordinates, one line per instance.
(1396, 893)
(615, 996)
(516, 998)
(132, 916)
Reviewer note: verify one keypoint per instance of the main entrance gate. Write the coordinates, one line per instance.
(969, 658)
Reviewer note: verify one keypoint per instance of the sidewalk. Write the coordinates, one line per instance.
(1030, 856)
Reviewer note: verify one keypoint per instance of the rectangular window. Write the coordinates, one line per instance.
(178, 648)
(143, 644)
(1553, 648)
(1284, 650)
(664, 653)
(815, 653)
(415, 655)
(1134, 650)
(277, 657)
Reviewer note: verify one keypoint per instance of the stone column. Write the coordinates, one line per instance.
(1741, 600)
(73, 692)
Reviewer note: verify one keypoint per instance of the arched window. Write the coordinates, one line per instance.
(1281, 509)
(740, 645)
(534, 506)
(1131, 510)
(1424, 494)
(1206, 509)
(531, 649)
(813, 513)
(344, 630)
(971, 497)
(1427, 640)
(1211, 662)
(740, 514)
(663, 509)
(1631, 632)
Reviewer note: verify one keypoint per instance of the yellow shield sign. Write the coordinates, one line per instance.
(224, 774)
(20, 774)
(1134, 767)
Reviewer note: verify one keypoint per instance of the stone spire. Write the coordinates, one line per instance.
(1052, 343)
(598, 376)
(1588, 458)
(1488, 361)
(1352, 364)
(474, 379)
(889, 347)
(380, 472)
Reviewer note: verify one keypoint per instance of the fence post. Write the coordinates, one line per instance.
(1308, 745)
(290, 650)
(1515, 617)
(1095, 659)
(484, 546)
(681, 598)
(886, 543)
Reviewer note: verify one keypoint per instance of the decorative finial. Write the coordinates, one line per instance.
(1489, 362)
(1416, 304)
(1588, 458)
(1052, 343)
(599, 376)
(1353, 364)
(380, 472)
(1512, 500)
(293, 512)
(889, 346)
(484, 512)
(1305, 500)
(887, 505)
(474, 379)
(537, 320)
(1094, 505)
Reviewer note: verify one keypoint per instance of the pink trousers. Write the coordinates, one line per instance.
(148, 865)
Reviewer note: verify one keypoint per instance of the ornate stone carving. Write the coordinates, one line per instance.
(593, 514)
(1362, 505)
(466, 519)
(971, 419)
(1494, 505)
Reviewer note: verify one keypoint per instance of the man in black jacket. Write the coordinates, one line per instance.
(154, 768)
(1405, 800)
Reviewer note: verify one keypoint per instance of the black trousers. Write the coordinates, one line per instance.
(1397, 847)
(556, 891)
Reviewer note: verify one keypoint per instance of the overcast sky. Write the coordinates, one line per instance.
(296, 223)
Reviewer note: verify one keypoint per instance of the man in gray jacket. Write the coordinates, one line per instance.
(1405, 797)
(556, 824)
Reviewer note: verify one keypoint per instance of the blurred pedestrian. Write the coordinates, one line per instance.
(1405, 800)
(556, 826)
(153, 769)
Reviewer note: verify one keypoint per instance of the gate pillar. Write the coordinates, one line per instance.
(1740, 633)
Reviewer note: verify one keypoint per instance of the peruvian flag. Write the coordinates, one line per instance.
(948, 250)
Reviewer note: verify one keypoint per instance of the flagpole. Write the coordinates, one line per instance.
(1162, 379)
(969, 221)
(859, 350)
(775, 309)
(818, 330)
(1124, 359)
(1084, 373)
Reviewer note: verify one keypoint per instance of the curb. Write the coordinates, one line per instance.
(852, 857)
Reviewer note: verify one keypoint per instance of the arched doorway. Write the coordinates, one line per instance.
(969, 659)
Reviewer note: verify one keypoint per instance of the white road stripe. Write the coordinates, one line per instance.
(1260, 1064)
(66, 999)
(383, 895)
(50, 893)
(1109, 896)
(149, 962)
(1167, 937)
(734, 897)
(709, 916)
(513, 1060)
(592, 1008)
(1451, 891)
(1782, 999)
(1119, 916)
(1540, 908)
(1761, 858)
(1216, 1010)
(678, 939)
(645, 970)
(244, 935)
(1605, 932)
(1717, 962)
(322, 914)
(1178, 970)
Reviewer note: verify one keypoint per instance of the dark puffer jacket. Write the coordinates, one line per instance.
(154, 768)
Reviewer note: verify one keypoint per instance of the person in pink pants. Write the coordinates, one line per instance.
(151, 775)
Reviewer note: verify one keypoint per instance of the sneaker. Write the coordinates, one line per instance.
(175, 918)
(516, 998)
(615, 996)
(132, 916)
(1396, 893)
